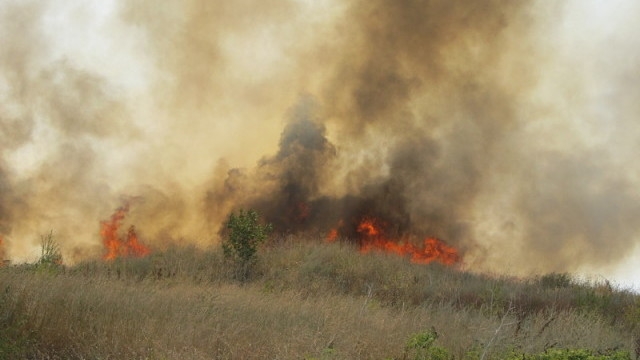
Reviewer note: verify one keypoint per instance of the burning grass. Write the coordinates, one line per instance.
(306, 300)
(115, 244)
(373, 236)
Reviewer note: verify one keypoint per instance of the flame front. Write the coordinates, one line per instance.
(117, 246)
(133, 247)
(373, 238)
(369, 228)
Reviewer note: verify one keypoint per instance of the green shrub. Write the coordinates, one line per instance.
(244, 235)
(421, 347)
(573, 354)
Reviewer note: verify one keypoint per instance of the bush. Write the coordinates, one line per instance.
(421, 347)
(573, 354)
(244, 235)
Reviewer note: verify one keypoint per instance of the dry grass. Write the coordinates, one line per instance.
(306, 300)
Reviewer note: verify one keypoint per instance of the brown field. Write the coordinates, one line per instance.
(305, 300)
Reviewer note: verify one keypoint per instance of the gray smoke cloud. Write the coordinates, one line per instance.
(54, 118)
(473, 122)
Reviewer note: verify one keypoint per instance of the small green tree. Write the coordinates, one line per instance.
(244, 234)
(422, 346)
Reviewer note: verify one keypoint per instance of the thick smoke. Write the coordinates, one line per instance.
(488, 125)
(416, 86)
(294, 175)
(436, 95)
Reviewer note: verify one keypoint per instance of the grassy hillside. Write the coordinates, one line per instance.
(305, 300)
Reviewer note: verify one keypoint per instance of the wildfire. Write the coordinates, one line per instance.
(116, 245)
(332, 235)
(373, 238)
(369, 227)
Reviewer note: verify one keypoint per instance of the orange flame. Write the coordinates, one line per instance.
(369, 227)
(372, 238)
(117, 246)
(432, 250)
(332, 235)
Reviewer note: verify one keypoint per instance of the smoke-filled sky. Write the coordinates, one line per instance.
(508, 129)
